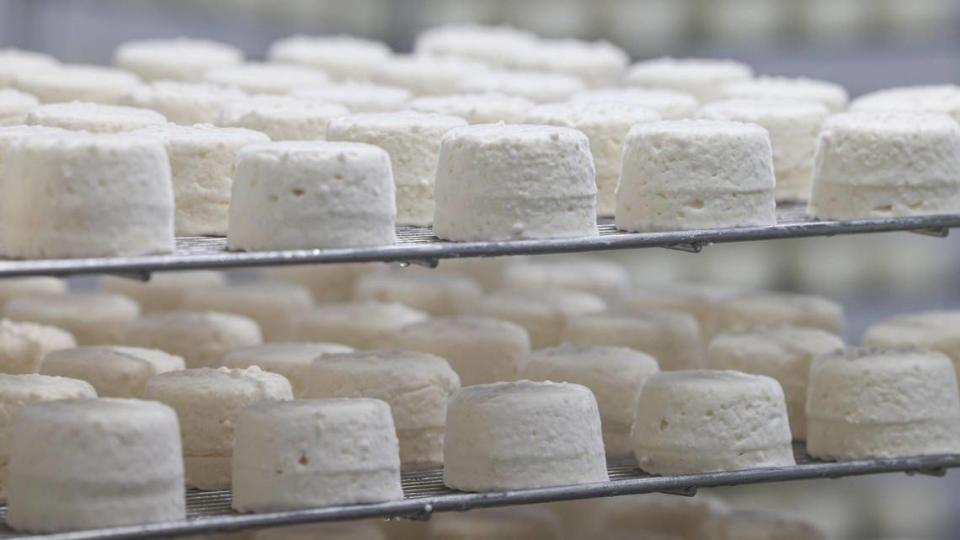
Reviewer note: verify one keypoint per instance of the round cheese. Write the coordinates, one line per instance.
(93, 117)
(291, 360)
(164, 291)
(672, 338)
(200, 338)
(276, 307)
(436, 294)
(180, 59)
(185, 103)
(283, 118)
(544, 313)
(344, 58)
(117, 372)
(362, 325)
(76, 82)
(92, 318)
(264, 77)
(704, 79)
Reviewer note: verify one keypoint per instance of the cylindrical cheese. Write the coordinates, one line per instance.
(116, 372)
(92, 318)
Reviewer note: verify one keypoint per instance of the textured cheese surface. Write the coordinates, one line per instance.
(82, 464)
(881, 403)
(344, 58)
(180, 59)
(14, 106)
(606, 125)
(696, 174)
(660, 515)
(772, 309)
(784, 353)
(936, 330)
(92, 318)
(413, 141)
(615, 375)
(704, 79)
(522, 435)
(747, 525)
(93, 117)
(416, 385)
(58, 84)
(595, 275)
(543, 312)
(503, 182)
(207, 402)
(669, 104)
(480, 349)
(943, 99)
(347, 530)
(487, 108)
(426, 76)
(329, 283)
(202, 165)
(705, 421)
(117, 372)
(265, 77)
(536, 86)
(310, 453)
(698, 300)
(16, 61)
(283, 118)
(436, 294)
(11, 288)
(186, 103)
(96, 195)
(200, 338)
(886, 164)
(495, 46)
(528, 523)
(672, 338)
(310, 195)
(362, 325)
(358, 97)
(23, 345)
(793, 127)
(832, 96)
(288, 359)
(164, 291)
(276, 307)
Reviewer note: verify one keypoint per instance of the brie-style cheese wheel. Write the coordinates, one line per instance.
(71, 462)
(504, 182)
(865, 166)
(705, 421)
(413, 142)
(615, 375)
(208, 402)
(882, 403)
(202, 165)
(200, 338)
(344, 58)
(481, 350)
(180, 59)
(696, 174)
(312, 195)
(416, 385)
(303, 454)
(92, 318)
(704, 79)
(784, 353)
(117, 372)
(76, 82)
(522, 435)
(290, 359)
(276, 307)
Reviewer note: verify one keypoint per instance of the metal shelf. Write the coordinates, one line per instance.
(418, 245)
(209, 512)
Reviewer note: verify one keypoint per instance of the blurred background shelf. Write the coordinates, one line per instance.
(210, 512)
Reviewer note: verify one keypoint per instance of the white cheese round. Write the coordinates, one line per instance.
(544, 313)
(831, 95)
(289, 359)
(749, 311)
(183, 102)
(180, 59)
(276, 307)
(344, 58)
(265, 77)
(283, 118)
(669, 104)
(703, 79)
(362, 325)
(672, 338)
(436, 294)
(93, 117)
(76, 82)
(118, 372)
(536, 86)
(488, 108)
(93, 318)
(358, 97)
(935, 330)
(23, 345)
(164, 291)
(14, 106)
(200, 338)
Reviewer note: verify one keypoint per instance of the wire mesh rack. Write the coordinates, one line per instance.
(419, 245)
(424, 494)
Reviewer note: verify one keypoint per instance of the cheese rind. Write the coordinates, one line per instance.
(544, 313)
(522, 435)
(115, 372)
(76, 82)
(936, 330)
(92, 318)
(615, 375)
(202, 164)
(183, 102)
(426, 291)
(503, 182)
(672, 338)
(310, 453)
(291, 360)
(200, 338)
(793, 127)
(362, 325)
(882, 403)
(606, 125)
(696, 174)
(180, 59)
(71, 461)
(481, 350)
(93, 117)
(208, 402)
(705, 421)
(416, 385)
(265, 77)
(23, 345)
(704, 79)
(413, 142)
(283, 118)
(785, 354)
(344, 58)
(276, 307)
(886, 164)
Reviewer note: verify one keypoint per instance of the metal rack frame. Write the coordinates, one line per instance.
(425, 494)
(419, 245)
